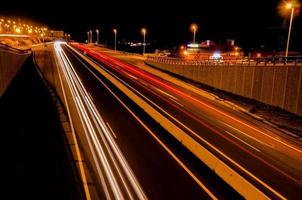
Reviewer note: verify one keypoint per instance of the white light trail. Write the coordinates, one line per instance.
(116, 176)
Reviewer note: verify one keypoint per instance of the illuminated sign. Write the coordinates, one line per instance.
(193, 45)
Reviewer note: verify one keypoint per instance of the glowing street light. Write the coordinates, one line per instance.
(97, 36)
(289, 6)
(17, 30)
(144, 31)
(115, 32)
(87, 37)
(194, 28)
(42, 35)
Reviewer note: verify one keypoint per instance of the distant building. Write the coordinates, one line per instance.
(210, 50)
(56, 34)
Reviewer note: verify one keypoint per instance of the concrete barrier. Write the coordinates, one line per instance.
(276, 85)
(11, 61)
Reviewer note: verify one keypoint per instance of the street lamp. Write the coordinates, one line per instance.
(194, 28)
(144, 31)
(87, 37)
(291, 7)
(90, 36)
(115, 32)
(97, 36)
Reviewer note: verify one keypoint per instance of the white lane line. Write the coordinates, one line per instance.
(247, 135)
(114, 135)
(190, 173)
(242, 141)
(130, 75)
(176, 102)
(90, 96)
(165, 93)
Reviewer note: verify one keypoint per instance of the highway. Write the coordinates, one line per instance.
(258, 152)
(135, 158)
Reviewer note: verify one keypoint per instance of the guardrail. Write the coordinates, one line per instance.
(280, 60)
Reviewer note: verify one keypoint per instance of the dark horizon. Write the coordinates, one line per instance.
(252, 25)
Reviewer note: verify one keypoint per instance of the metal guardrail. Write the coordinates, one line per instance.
(270, 61)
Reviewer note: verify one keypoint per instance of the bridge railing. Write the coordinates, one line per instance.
(280, 60)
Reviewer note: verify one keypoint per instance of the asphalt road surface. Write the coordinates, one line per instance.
(163, 168)
(270, 160)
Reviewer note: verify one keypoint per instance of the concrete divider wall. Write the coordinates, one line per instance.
(278, 86)
(10, 64)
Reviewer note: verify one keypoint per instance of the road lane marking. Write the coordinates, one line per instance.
(176, 102)
(167, 94)
(90, 96)
(114, 135)
(242, 141)
(247, 135)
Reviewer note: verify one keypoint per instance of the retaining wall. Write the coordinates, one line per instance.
(11, 61)
(278, 85)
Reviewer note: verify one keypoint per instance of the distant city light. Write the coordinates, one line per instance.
(10, 26)
(216, 55)
(18, 30)
(289, 5)
(193, 45)
(193, 27)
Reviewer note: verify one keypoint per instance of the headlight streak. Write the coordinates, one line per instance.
(190, 173)
(91, 52)
(106, 154)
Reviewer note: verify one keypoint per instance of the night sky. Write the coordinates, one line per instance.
(251, 23)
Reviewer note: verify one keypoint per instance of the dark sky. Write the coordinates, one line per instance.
(250, 22)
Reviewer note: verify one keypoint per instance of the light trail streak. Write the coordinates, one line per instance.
(169, 151)
(116, 176)
(158, 82)
(196, 135)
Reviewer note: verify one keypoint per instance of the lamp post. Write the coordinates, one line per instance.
(194, 28)
(144, 31)
(90, 36)
(97, 36)
(292, 8)
(87, 37)
(115, 32)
